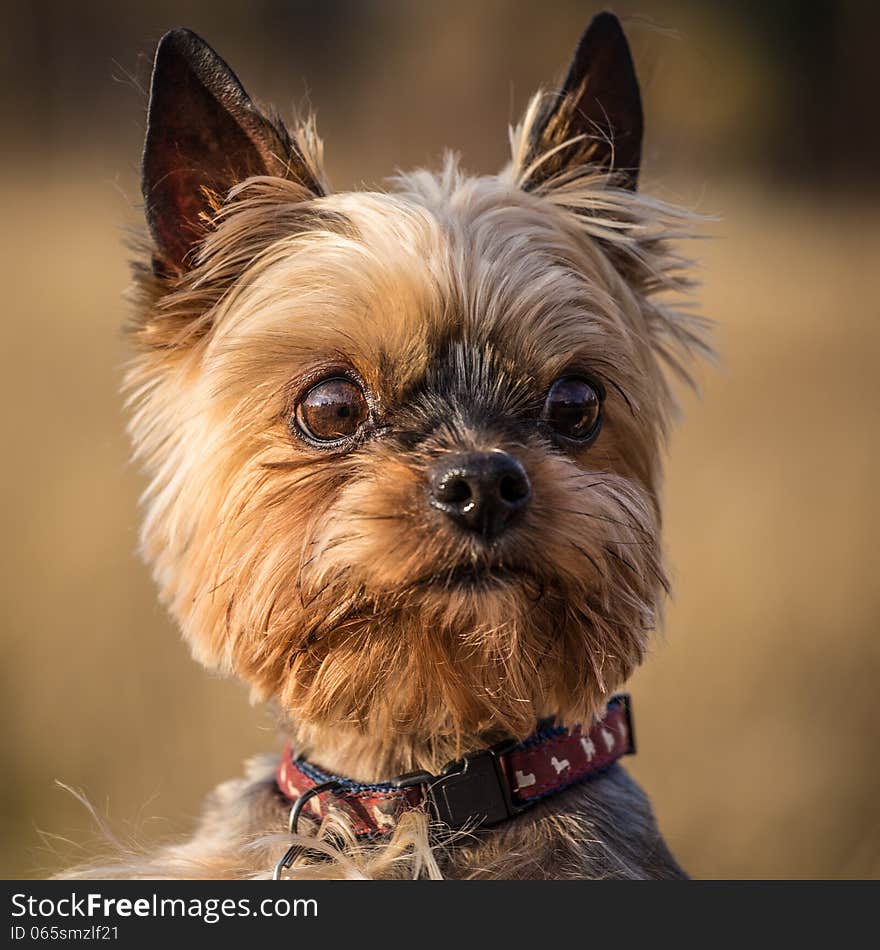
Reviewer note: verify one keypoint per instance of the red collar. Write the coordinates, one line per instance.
(483, 788)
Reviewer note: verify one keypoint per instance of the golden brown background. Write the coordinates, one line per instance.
(757, 713)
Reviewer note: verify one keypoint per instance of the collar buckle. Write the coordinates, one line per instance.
(470, 791)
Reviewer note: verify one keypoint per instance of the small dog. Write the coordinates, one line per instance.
(404, 452)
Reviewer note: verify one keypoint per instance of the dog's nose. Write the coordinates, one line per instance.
(480, 491)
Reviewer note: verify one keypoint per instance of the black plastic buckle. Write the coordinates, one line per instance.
(470, 791)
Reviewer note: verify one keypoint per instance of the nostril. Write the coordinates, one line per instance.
(513, 489)
(454, 491)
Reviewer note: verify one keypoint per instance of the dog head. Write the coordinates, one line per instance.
(404, 447)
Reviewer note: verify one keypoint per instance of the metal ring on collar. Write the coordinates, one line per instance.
(295, 849)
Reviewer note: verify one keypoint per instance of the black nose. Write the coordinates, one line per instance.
(480, 491)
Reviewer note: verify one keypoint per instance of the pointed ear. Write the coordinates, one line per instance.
(204, 135)
(595, 119)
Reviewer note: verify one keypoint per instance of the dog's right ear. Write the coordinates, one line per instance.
(204, 136)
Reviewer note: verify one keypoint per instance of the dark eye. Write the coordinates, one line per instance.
(332, 410)
(573, 408)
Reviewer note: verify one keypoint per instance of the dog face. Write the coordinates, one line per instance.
(404, 448)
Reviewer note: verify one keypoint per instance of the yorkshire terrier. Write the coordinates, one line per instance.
(404, 455)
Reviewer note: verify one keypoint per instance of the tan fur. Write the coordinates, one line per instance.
(603, 829)
(317, 577)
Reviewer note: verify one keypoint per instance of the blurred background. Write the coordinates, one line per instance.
(757, 112)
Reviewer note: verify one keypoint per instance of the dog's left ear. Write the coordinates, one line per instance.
(594, 120)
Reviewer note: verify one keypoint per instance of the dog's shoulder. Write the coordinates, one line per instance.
(600, 829)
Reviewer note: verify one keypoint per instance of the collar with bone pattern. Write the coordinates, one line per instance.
(485, 787)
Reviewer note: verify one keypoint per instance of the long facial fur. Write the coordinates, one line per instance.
(318, 577)
(324, 578)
